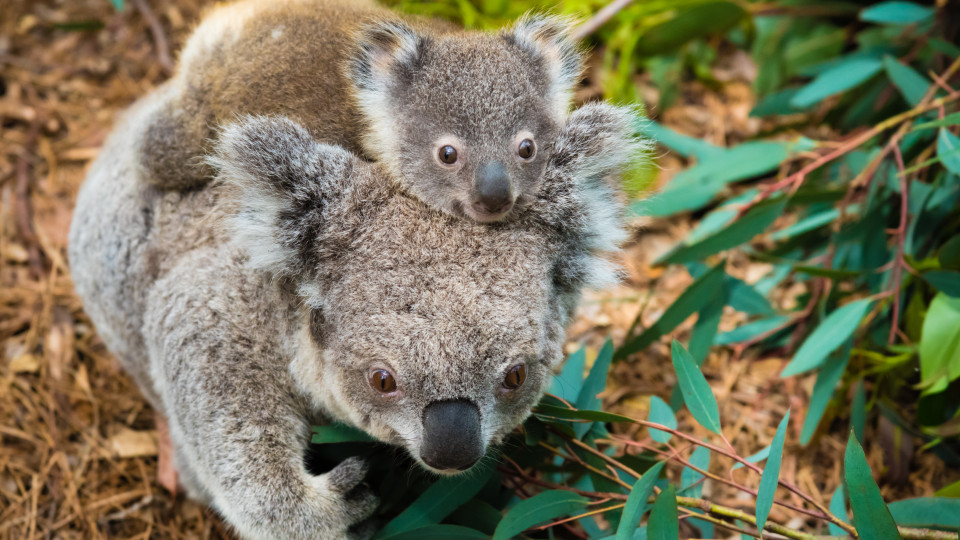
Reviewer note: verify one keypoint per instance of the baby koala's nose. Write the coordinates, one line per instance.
(451, 435)
(493, 192)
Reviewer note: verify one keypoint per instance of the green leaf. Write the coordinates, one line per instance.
(896, 13)
(771, 474)
(436, 503)
(827, 380)
(752, 330)
(911, 84)
(952, 491)
(948, 120)
(858, 411)
(845, 75)
(338, 433)
(537, 510)
(117, 4)
(662, 414)
(870, 515)
(595, 383)
(567, 385)
(664, 522)
(682, 144)
(573, 414)
(440, 532)
(702, 20)
(940, 343)
(927, 512)
(763, 454)
(690, 479)
(637, 502)
(809, 223)
(948, 150)
(832, 332)
(697, 295)
(756, 220)
(838, 507)
(949, 256)
(696, 391)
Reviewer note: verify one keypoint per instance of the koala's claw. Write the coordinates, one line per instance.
(348, 474)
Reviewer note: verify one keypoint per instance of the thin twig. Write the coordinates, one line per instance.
(23, 210)
(897, 273)
(159, 37)
(599, 19)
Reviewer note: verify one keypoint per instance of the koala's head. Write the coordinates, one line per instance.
(466, 120)
(428, 331)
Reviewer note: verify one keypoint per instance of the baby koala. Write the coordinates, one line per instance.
(465, 120)
(306, 285)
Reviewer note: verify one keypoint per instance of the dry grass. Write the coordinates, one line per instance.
(78, 453)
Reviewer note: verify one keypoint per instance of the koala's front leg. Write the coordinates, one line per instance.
(237, 423)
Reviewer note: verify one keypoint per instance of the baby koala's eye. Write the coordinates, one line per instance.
(382, 381)
(448, 154)
(526, 149)
(515, 377)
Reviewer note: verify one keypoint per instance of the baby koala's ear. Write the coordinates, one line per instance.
(598, 141)
(282, 182)
(546, 40)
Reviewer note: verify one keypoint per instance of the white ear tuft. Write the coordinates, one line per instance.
(546, 38)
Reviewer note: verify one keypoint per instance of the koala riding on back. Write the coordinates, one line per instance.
(464, 119)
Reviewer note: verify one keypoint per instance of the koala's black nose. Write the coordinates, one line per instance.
(493, 192)
(451, 435)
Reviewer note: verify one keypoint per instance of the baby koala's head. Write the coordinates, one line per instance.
(428, 331)
(466, 120)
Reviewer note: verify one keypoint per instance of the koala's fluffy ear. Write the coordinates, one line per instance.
(546, 40)
(579, 196)
(283, 182)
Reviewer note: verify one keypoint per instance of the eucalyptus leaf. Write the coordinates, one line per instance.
(948, 150)
(827, 337)
(946, 281)
(594, 384)
(437, 502)
(664, 521)
(838, 507)
(840, 78)
(440, 532)
(637, 502)
(338, 433)
(927, 512)
(662, 414)
(870, 514)
(830, 374)
(752, 329)
(697, 393)
(940, 343)
(897, 13)
(771, 474)
(567, 385)
(537, 510)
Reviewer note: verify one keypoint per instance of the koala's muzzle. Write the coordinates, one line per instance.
(494, 195)
(451, 435)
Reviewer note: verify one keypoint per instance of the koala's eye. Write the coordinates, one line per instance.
(448, 154)
(526, 149)
(515, 377)
(382, 381)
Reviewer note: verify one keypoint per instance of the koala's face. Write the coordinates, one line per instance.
(467, 120)
(440, 340)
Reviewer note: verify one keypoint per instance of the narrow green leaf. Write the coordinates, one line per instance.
(911, 84)
(823, 389)
(843, 76)
(940, 341)
(949, 256)
(838, 507)
(948, 150)
(682, 144)
(809, 223)
(706, 19)
(567, 385)
(697, 295)
(739, 231)
(594, 384)
(573, 414)
(870, 514)
(437, 502)
(763, 454)
(927, 512)
(662, 414)
(858, 411)
(440, 532)
(338, 433)
(951, 491)
(752, 330)
(117, 4)
(691, 480)
(771, 474)
(697, 393)
(537, 510)
(832, 332)
(896, 13)
(637, 502)
(705, 329)
(948, 120)
(664, 522)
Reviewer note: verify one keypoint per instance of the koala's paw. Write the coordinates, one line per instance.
(354, 501)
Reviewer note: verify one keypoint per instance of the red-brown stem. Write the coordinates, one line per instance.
(897, 272)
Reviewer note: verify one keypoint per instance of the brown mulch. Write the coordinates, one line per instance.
(77, 441)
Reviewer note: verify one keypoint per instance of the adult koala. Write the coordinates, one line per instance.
(306, 285)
